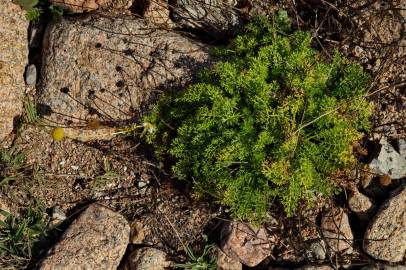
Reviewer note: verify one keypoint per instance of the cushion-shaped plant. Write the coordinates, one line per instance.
(270, 123)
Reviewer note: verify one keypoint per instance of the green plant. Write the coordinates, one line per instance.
(31, 115)
(274, 120)
(30, 6)
(12, 166)
(37, 9)
(206, 261)
(108, 175)
(18, 236)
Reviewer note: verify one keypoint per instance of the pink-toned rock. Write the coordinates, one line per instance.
(245, 243)
(337, 231)
(157, 12)
(385, 238)
(13, 59)
(97, 239)
(147, 259)
(361, 205)
(225, 262)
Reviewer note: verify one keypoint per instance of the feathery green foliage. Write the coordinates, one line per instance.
(272, 121)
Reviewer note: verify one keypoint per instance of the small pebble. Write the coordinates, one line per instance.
(31, 75)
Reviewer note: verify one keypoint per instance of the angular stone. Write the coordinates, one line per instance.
(245, 243)
(13, 59)
(157, 12)
(337, 231)
(226, 263)
(147, 259)
(361, 205)
(111, 69)
(97, 239)
(317, 250)
(390, 161)
(216, 17)
(385, 238)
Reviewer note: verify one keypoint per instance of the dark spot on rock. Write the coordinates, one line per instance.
(128, 52)
(65, 90)
(119, 68)
(102, 90)
(44, 110)
(91, 110)
(98, 45)
(91, 95)
(120, 83)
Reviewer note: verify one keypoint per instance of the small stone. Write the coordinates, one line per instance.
(58, 216)
(97, 239)
(137, 233)
(147, 259)
(385, 238)
(317, 251)
(142, 184)
(226, 263)
(245, 243)
(31, 75)
(337, 231)
(361, 205)
(390, 161)
(3, 207)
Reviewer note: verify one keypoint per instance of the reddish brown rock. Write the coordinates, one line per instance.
(245, 243)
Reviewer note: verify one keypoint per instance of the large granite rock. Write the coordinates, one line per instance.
(97, 239)
(13, 59)
(111, 69)
(385, 238)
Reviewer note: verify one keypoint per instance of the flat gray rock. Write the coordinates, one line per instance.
(390, 161)
(13, 59)
(385, 238)
(97, 239)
